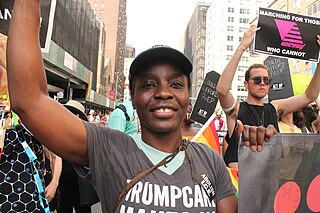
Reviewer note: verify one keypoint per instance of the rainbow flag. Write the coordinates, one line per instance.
(234, 179)
(208, 135)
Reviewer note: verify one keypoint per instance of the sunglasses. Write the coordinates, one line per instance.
(257, 80)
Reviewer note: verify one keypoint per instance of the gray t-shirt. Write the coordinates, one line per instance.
(115, 159)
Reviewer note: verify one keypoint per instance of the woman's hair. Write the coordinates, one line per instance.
(304, 117)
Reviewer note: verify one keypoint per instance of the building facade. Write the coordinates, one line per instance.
(194, 47)
(227, 20)
(74, 60)
(113, 14)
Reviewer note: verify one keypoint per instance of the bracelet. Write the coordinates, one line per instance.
(226, 110)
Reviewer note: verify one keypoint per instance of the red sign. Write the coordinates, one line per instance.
(112, 94)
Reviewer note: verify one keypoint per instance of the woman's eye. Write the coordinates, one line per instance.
(177, 84)
(148, 85)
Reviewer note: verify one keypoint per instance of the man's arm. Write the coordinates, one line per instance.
(292, 104)
(56, 168)
(3, 50)
(226, 99)
(51, 123)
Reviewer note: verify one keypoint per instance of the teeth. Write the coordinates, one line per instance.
(163, 110)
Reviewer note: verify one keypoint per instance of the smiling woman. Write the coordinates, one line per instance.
(152, 164)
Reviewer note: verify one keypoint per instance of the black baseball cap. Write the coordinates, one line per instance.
(160, 53)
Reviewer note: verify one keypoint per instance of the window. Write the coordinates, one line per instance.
(297, 3)
(241, 89)
(95, 5)
(229, 47)
(230, 28)
(244, 11)
(102, 4)
(242, 98)
(313, 8)
(102, 13)
(240, 78)
(245, 58)
(230, 9)
(229, 38)
(230, 19)
(242, 68)
(242, 29)
(240, 38)
(244, 20)
(229, 57)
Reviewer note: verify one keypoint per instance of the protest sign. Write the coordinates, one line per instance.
(207, 98)
(284, 177)
(47, 16)
(287, 35)
(279, 71)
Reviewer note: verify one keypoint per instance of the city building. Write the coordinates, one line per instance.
(113, 14)
(194, 46)
(227, 20)
(129, 57)
(72, 63)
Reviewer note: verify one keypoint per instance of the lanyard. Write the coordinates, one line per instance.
(4, 122)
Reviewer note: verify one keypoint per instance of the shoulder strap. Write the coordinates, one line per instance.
(184, 145)
(124, 110)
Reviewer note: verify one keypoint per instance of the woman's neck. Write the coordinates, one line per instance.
(165, 142)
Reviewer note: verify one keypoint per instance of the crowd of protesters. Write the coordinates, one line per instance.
(116, 154)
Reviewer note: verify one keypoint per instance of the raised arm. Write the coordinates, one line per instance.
(292, 104)
(52, 124)
(225, 81)
(3, 50)
(226, 99)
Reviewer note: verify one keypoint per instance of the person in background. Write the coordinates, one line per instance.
(187, 128)
(22, 162)
(52, 172)
(106, 118)
(286, 124)
(97, 119)
(303, 118)
(218, 122)
(254, 111)
(124, 118)
(92, 116)
(69, 180)
(156, 162)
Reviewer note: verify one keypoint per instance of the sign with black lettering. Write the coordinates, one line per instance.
(281, 84)
(47, 16)
(207, 98)
(287, 34)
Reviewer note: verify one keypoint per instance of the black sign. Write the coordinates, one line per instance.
(47, 15)
(207, 98)
(281, 85)
(287, 34)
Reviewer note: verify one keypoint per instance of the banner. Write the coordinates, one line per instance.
(284, 177)
(47, 16)
(287, 35)
(279, 71)
(207, 98)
